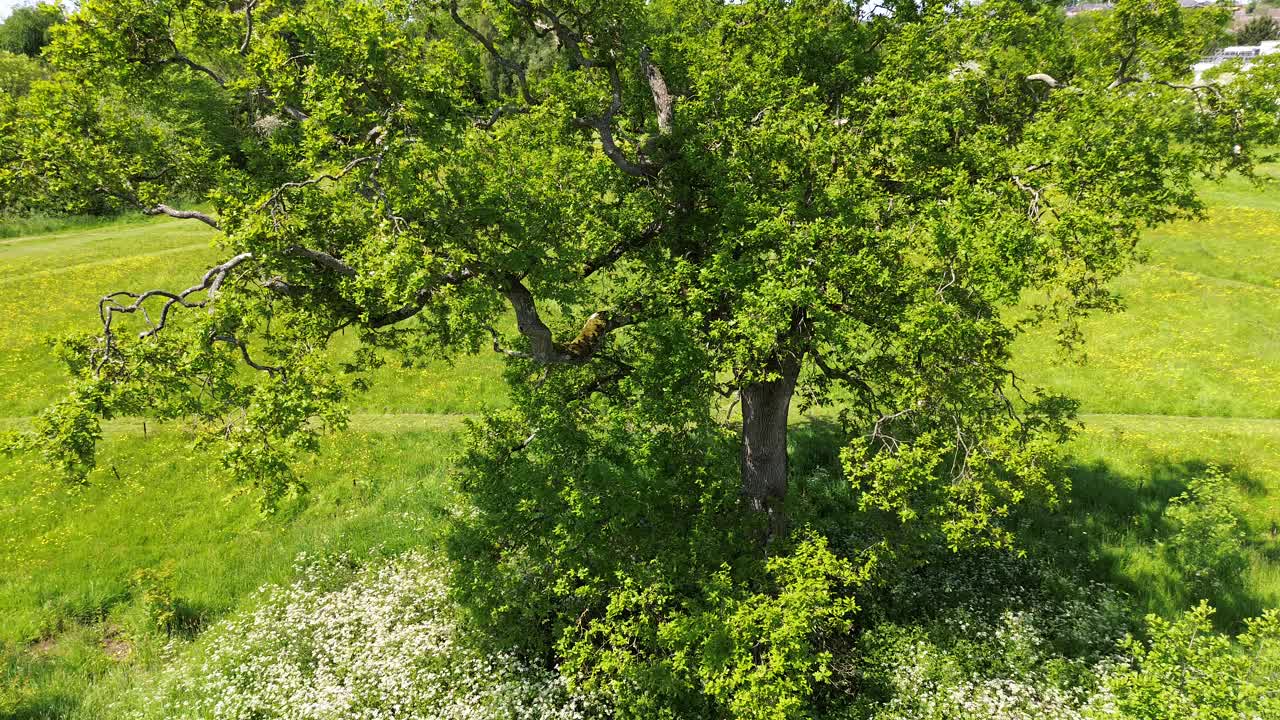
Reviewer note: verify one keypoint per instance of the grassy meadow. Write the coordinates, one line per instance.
(1186, 378)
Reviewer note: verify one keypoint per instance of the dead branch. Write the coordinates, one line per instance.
(663, 101)
(1044, 78)
(346, 169)
(161, 209)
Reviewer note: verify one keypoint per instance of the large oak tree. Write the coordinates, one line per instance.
(663, 213)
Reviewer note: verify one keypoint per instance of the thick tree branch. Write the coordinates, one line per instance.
(322, 259)
(248, 26)
(1122, 73)
(181, 59)
(284, 288)
(603, 126)
(663, 101)
(1044, 78)
(163, 209)
(844, 376)
(542, 343)
(421, 299)
(499, 113)
(570, 40)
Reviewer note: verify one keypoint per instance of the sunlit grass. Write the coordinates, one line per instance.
(1200, 336)
(1187, 344)
(67, 554)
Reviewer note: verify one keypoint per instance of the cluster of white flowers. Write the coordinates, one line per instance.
(930, 683)
(374, 643)
(989, 699)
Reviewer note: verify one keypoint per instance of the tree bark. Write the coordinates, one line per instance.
(765, 406)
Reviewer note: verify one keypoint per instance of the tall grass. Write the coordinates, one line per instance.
(11, 227)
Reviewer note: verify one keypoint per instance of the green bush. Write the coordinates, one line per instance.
(1207, 544)
(17, 72)
(1258, 30)
(154, 589)
(1186, 671)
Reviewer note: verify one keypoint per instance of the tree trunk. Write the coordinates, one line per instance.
(765, 406)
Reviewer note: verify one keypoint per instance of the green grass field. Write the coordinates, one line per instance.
(1189, 376)
(70, 614)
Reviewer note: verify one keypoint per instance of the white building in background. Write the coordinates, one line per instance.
(1084, 7)
(1236, 52)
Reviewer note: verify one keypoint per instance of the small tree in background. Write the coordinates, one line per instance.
(1257, 30)
(17, 72)
(1208, 541)
(26, 31)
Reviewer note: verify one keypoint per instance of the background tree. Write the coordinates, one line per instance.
(661, 213)
(26, 30)
(1258, 30)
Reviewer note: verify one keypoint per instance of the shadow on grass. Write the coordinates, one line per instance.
(30, 688)
(1111, 527)
(1114, 527)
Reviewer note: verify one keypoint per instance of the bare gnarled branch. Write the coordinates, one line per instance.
(109, 305)
(346, 169)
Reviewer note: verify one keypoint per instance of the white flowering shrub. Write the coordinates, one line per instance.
(928, 682)
(357, 644)
(1004, 643)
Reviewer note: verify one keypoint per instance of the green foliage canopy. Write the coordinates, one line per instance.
(678, 201)
(768, 196)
